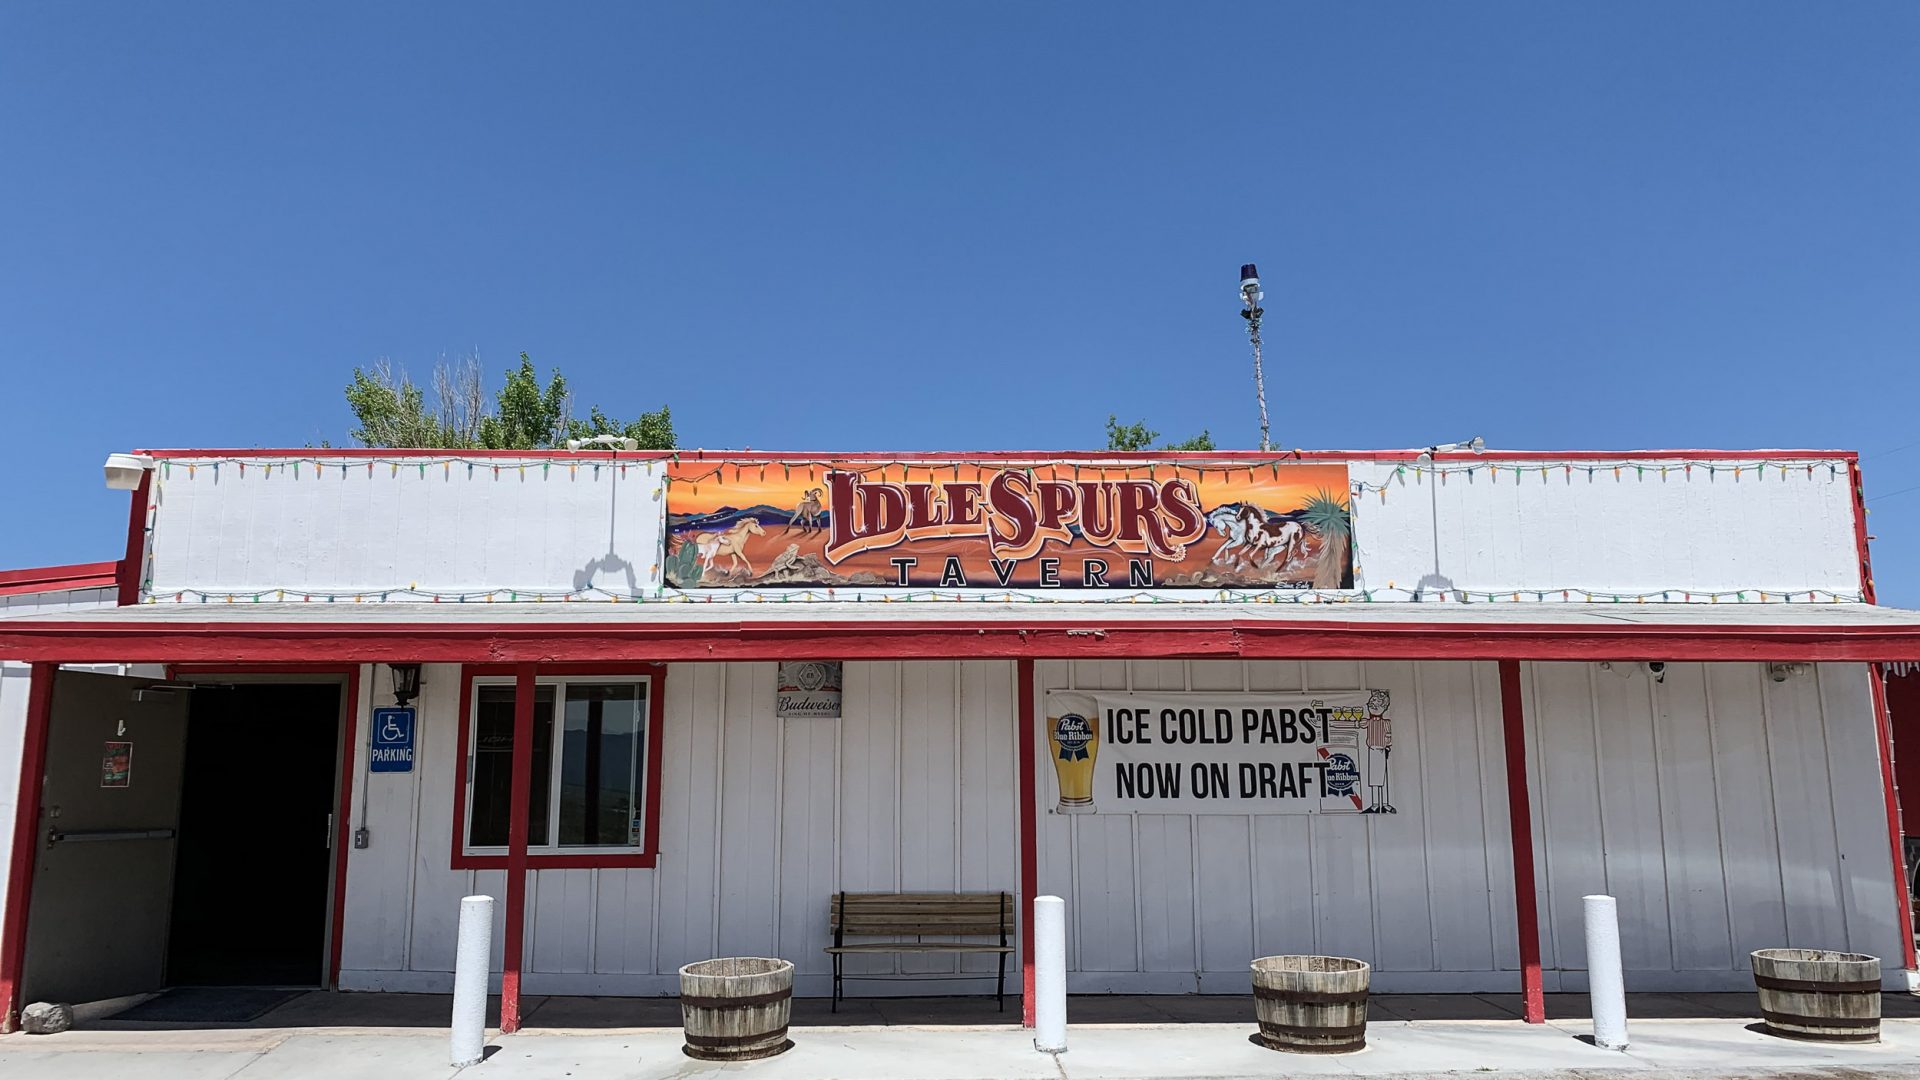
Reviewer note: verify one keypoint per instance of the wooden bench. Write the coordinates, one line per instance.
(921, 916)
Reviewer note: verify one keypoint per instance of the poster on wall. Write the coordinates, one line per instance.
(1063, 525)
(807, 689)
(1226, 753)
(116, 765)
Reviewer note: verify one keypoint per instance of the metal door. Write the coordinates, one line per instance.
(109, 811)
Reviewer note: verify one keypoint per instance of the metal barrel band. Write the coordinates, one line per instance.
(1270, 1042)
(747, 1001)
(719, 1041)
(1810, 986)
(1861, 1036)
(1774, 1016)
(1309, 997)
(1267, 1027)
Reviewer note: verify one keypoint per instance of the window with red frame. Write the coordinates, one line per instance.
(590, 746)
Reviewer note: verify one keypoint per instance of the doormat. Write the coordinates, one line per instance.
(209, 1005)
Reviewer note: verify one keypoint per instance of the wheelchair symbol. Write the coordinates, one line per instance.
(392, 732)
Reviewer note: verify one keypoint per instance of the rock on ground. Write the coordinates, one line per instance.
(41, 1018)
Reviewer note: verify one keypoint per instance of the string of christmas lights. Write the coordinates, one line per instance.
(298, 468)
(1390, 594)
(1639, 470)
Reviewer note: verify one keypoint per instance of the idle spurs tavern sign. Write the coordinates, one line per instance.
(1061, 525)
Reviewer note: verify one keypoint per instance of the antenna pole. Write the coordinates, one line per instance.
(1250, 297)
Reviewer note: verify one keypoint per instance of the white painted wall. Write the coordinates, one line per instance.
(1639, 532)
(1177, 903)
(529, 526)
(542, 526)
(1726, 812)
(761, 820)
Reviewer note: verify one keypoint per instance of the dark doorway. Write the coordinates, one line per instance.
(250, 887)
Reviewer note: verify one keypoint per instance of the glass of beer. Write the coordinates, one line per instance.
(1073, 737)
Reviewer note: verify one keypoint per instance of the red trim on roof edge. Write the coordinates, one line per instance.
(989, 456)
(199, 642)
(45, 579)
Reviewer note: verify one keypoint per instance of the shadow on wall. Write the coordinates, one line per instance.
(609, 564)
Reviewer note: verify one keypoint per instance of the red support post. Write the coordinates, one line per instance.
(518, 806)
(26, 843)
(1883, 733)
(1026, 730)
(343, 818)
(1520, 825)
(134, 564)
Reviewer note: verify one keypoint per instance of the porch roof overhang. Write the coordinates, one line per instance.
(581, 632)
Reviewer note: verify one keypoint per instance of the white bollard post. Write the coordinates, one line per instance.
(1605, 986)
(471, 959)
(1050, 974)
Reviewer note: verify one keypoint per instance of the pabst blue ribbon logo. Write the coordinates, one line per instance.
(1342, 776)
(1073, 733)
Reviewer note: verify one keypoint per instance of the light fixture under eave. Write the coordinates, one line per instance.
(125, 471)
(406, 683)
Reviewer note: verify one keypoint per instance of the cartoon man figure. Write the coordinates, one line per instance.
(1379, 749)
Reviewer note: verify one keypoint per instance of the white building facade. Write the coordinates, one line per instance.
(1402, 708)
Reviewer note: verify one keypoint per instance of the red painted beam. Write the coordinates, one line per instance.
(1883, 732)
(46, 579)
(460, 642)
(1520, 826)
(990, 457)
(517, 812)
(26, 844)
(135, 559)
(1026, 731)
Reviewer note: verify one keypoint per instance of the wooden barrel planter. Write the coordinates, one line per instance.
(1311, 1004)
(1818, 995)
(736, 1009)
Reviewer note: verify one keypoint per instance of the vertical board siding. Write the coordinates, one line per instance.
(1661, 794)
(920, 770)
(1724, 811)
(1182, 903)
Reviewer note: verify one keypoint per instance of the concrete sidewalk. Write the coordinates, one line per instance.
(1505, 1048)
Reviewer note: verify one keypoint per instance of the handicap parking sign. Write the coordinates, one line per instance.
(393, 740)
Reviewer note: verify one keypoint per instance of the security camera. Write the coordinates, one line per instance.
(1657, 669)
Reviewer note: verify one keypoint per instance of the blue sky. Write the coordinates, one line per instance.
(911, 226)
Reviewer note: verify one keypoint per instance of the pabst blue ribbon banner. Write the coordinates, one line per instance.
(1199, 753)
(1062, 525)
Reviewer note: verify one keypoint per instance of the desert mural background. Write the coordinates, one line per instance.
(1270, 525)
